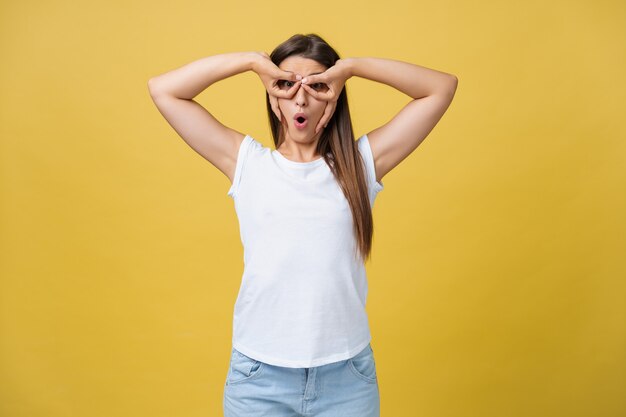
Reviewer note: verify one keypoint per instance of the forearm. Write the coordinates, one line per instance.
(413, 80)
(190, 80)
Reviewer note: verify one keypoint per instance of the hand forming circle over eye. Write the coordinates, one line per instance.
(334, 78)
(270, 76)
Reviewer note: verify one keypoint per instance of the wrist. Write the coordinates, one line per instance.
(347, 64)
(253, 57)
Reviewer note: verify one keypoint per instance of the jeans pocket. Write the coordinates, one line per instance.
(363, 365)
(242, 368)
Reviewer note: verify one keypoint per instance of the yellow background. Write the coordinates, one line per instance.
(497, 283)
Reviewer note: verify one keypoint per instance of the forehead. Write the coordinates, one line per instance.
(300, 65)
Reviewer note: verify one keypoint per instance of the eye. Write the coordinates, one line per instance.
(285, 83)
(320, 87)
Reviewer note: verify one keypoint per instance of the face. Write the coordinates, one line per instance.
(301, 101)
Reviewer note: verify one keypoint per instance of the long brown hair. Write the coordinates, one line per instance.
(336, 143)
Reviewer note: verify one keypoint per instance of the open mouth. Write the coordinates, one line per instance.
(300, 120)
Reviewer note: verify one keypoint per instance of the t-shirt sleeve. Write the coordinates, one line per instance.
(244, 150)
(374, 186)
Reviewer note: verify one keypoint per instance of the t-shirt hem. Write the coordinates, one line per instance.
(301, 364)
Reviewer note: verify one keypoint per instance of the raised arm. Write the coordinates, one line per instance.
(173, 93)
(432, 92)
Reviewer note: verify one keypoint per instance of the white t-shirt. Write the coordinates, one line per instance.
(302, 297)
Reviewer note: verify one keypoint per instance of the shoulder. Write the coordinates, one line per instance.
(365, 150)
(363, 145)
(249, 145)
(249, 151)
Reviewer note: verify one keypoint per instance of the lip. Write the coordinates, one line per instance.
(300, 125)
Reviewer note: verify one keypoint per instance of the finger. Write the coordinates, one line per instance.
(317, 94)
(278, 92)
(322, 122)
(312, 79)
(332, 106)
(280, 114)
(319, 126)
(328, 111)
(287, 75)
(289, 93)
(275, 108)
(272, 106)
(294, 87)
(332, 112)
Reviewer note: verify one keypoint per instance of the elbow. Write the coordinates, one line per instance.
(447, 85)
(152, 87)
(453, 83)
(151, 84)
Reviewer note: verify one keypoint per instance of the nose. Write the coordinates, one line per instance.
(301, 96)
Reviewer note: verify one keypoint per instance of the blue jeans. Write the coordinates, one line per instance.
(347, 388)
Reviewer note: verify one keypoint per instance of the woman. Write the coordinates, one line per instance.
(301, 340)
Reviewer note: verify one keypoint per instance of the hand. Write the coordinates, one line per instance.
(333, 81)
(270, 74)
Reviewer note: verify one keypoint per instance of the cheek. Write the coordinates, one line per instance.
(319, 111)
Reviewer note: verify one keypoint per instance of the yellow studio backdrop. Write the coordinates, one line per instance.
(497, 283)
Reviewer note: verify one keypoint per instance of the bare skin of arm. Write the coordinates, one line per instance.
(173, 93)
(431, 91)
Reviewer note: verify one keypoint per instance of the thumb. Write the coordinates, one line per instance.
(310, 79)
(290, 76)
